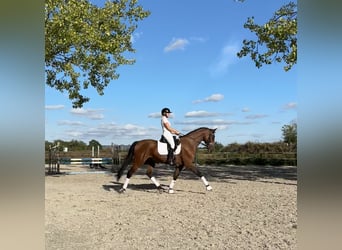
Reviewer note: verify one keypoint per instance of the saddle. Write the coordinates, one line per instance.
(164, 146)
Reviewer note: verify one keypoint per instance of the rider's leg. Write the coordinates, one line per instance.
(170, 155)
(171, 146)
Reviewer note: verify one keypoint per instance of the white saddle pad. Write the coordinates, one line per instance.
(162, 148)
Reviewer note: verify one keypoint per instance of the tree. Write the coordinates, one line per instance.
(84, 43)
(218, 146)
(74, 145)
(278, 38)
(290, 133)
(94, 143)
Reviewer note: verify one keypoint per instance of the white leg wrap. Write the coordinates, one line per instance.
(153, 179)
(204, 181)
(172, 184)
(126, 183)
(207, 186)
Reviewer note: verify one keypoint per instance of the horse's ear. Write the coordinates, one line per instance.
(214, 130)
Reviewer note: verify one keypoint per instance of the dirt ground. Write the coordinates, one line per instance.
(250, 207)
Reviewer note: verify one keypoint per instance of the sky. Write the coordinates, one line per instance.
(186, 61)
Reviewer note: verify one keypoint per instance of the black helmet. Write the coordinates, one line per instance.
(165, 110)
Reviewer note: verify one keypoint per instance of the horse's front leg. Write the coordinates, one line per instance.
(195, 170)
(178, 169)
(206, 183)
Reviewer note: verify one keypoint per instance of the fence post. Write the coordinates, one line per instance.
(54, 159)
(116, 160)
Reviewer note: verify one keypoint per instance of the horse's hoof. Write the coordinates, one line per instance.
(160, 189)
(209, 188)
(171, 191)
(122, 190)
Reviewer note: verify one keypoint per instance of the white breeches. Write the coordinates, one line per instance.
(169, 137)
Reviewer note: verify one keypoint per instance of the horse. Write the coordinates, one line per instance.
(145, 152)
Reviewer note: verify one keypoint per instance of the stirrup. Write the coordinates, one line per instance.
(170, 161)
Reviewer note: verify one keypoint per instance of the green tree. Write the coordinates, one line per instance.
(84, 43)
(74, 145)
(48, 145)
(276, 40)
(218, 146)
(94, 143)
(290, 133)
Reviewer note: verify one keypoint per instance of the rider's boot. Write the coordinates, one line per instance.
(170, 157)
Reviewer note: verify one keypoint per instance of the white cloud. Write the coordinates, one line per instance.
(212, 98)
(108, 133)
(70, 123)
(176, 44)
(74, 133)
(127, 131)
(158, 115)
(226, 58)
(200, 113)
(93, 114)
(135, 36)
(154, 115)
(189, 128)
(198, 39)
(245, 110)
(214, 122)
(257, 116)
(290, 105)
(54, 107)
(111, 132)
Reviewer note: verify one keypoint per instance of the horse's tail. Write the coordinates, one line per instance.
(127, 160)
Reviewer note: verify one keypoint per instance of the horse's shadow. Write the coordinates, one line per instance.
(110, 187)
(145, 187)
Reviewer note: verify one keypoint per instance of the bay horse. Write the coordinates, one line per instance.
(145, 152)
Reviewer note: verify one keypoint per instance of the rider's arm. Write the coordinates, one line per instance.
(172, 130)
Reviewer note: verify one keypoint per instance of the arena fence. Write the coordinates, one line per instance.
(92, 162)
(54, 160)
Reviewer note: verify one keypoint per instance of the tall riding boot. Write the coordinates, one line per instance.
(170, 157)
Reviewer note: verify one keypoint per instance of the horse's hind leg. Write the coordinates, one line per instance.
(152, 178)
(128, 176)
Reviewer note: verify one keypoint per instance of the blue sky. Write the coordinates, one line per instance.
(185, 60)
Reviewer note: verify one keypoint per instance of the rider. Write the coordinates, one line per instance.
(168, 133)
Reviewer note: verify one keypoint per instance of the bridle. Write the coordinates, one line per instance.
(209, 143)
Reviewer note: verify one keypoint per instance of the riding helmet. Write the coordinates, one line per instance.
(165, 110)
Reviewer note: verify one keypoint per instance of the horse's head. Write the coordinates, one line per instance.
(209, 139)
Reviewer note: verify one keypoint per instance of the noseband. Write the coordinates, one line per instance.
(208, 143)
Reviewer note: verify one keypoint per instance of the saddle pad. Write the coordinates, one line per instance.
(162, 148)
